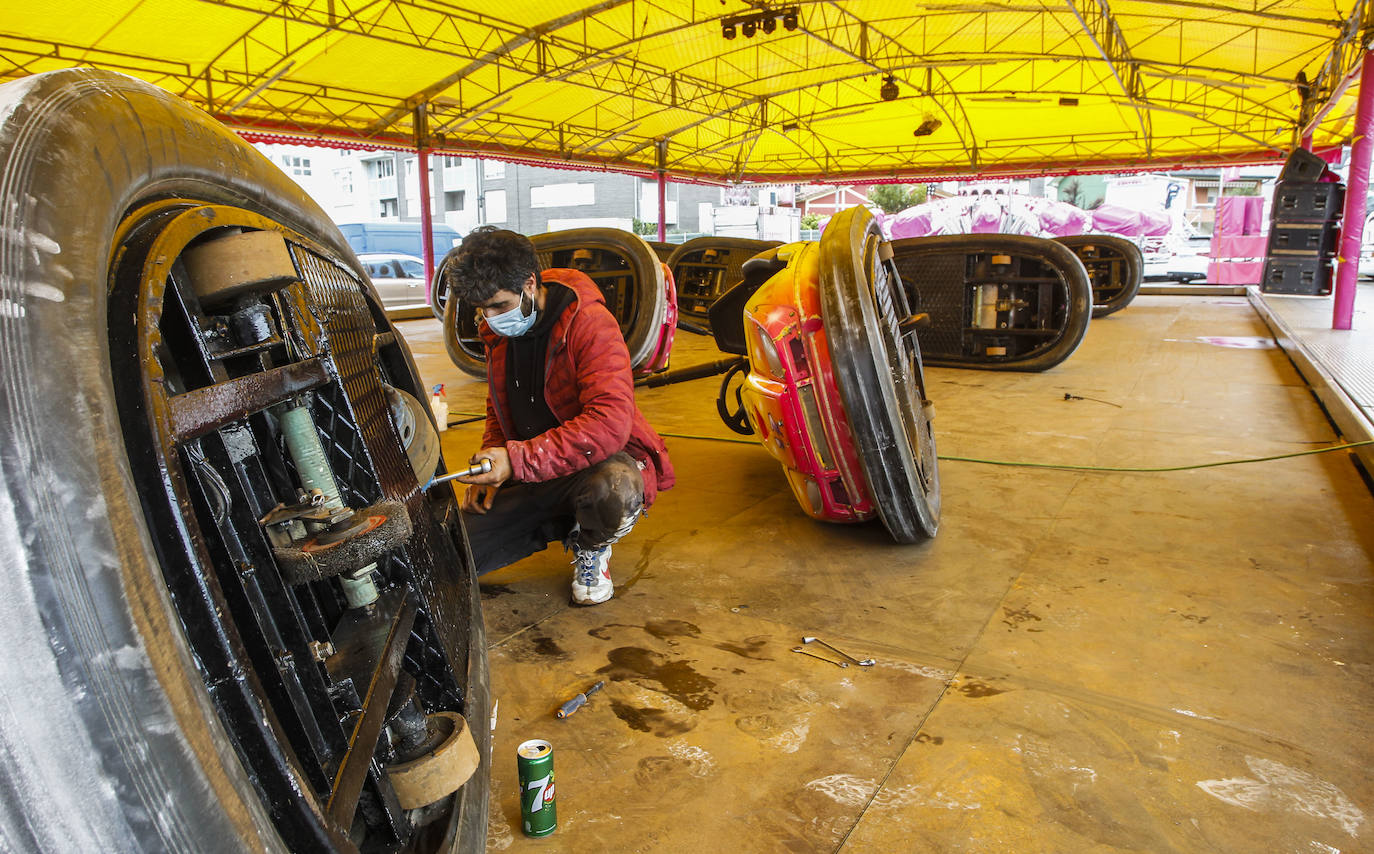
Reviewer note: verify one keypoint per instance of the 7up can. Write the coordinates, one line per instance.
(538, 816)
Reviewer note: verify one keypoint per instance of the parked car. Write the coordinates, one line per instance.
(399, 279)
(402, 238)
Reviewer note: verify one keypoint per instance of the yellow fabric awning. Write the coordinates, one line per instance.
(978, 88)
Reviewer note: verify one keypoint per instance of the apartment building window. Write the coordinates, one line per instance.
(384, 168)
(451, 162)
(344, 179)
(496, 205)
(493, 169)
(453, 200)
(389, 208)
(296, 165)
(562, 195)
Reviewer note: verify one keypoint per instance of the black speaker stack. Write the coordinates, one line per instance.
(1305, 228)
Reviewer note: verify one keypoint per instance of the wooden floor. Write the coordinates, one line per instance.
(1080, 661)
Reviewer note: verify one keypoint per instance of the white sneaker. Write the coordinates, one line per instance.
(591, 584)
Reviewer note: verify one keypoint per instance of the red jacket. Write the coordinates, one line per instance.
(589, 389)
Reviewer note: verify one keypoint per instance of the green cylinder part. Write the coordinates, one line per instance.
(303, 443)
(360, 586)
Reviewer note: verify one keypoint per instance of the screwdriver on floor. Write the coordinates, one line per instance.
(577, 702)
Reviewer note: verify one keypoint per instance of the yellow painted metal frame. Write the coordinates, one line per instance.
(1003, 88)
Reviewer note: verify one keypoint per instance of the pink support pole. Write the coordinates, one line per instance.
(662, 207)
(1357, 186)
(426, 223)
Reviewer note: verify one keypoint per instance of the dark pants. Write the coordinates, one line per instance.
(585, 510)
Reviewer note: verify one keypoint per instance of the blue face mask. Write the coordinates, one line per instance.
(517, 321)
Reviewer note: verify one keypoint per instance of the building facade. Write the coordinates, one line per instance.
(382, 186)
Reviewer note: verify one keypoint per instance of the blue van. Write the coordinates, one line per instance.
(398, 238)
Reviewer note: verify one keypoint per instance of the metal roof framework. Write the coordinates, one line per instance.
(978, 87)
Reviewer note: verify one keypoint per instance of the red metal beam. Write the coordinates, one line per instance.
(281, 132)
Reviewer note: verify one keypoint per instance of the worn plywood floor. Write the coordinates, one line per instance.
(1080, 661)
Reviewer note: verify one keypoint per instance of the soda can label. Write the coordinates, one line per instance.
(538, 811)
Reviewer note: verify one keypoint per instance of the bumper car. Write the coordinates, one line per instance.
(704, 268)
(995, 301)
(833, 384)
(638, 288)
(664, 251)
(235, 619)
(1115, 265)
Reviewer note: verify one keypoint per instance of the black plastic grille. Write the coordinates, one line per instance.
(368, 459)
(939, 282)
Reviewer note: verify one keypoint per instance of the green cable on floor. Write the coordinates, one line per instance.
(1070, 467)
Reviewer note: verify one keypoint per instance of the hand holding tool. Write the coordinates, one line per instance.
(475, 469)
(577, 702)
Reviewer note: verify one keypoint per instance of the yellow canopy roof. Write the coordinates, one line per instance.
(977, 88)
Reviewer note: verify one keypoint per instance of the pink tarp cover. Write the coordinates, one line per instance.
(1060, 219)
(1155, 223)
(991, 214)
(986, 216)
(1240, 246)
(1235, 272)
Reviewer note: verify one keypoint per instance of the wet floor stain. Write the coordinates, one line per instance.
(664, 629)
(759, 726)
(491, 591)
(641, 567)
(1015, 617)
(1191, 618)
(651, 770)
(535, 648)
(748, 648)
(547, 646)
(977, 689)
(660, 722)
(927, 738)
(676, 678)
(661, 629)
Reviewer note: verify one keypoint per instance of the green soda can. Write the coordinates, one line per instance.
(538, 816)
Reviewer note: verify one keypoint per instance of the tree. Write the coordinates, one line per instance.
(811, 220)
(644, 228)
(892, 198)
(1073, 191)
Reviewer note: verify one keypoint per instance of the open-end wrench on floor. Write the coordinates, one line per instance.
(805, 651)
(867, 662)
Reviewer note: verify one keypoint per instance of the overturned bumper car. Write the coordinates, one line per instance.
(833, 385)
(704, 268)
(1115, 267)
(995, 301)
(637, 286)
(234, 619)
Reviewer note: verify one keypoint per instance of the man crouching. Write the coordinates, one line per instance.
(572, 457)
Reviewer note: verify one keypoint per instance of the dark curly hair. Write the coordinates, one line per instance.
(490, 259)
